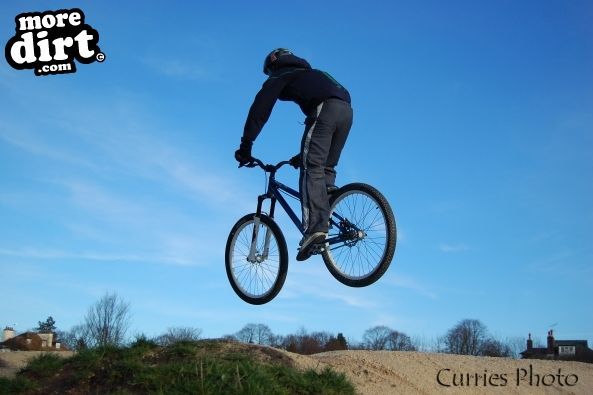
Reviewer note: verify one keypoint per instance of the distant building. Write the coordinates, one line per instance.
(30, 341)
(8, 333)
(569, 350)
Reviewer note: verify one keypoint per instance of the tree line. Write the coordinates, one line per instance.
(107, 322)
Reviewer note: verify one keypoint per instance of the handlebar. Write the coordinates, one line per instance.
(269, 168)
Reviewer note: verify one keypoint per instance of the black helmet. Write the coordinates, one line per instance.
(273, 56)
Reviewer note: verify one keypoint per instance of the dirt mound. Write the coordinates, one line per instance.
(385, 372)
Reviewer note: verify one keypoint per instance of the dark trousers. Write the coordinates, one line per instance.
(325, 134)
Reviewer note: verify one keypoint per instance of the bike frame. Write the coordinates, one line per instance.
(274, 194)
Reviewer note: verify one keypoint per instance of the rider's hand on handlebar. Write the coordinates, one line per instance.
(243, 154)
(295, 161)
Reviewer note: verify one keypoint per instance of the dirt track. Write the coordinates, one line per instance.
(384, 372)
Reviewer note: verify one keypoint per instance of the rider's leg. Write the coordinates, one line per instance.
(343, 125)
(321, 146)
(315, 147)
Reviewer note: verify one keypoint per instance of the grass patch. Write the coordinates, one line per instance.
(203, 367)
(18, 385)
(43, 366)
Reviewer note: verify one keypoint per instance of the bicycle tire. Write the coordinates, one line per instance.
(266, 278)
(362, 261)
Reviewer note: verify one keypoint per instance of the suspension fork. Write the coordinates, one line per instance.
(252, 257)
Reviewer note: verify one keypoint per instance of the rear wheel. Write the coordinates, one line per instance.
(363, 224)
(256, 259)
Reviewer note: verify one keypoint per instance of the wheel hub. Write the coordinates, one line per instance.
(257, 259)
(353, 236)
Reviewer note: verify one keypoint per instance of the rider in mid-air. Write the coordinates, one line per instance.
(326, 105)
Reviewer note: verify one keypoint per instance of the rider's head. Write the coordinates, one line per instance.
(282, 57)
(272, 57)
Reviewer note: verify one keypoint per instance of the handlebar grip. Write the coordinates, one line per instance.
(268, 168)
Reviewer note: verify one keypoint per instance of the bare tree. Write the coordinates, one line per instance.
(178, 334)
(398, 341)
(321, 338)
(256, 334)
(425, 344)
(495, 348)
(376, 338)
(465, 338)
(384, 338)
(107, 321)
(517, 345)
(77, 338)
(306, 343)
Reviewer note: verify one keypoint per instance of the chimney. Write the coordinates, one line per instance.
(8, 333)
(529, 343)
(550, 342)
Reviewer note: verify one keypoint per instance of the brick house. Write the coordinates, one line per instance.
(569, 350)
(30, 341)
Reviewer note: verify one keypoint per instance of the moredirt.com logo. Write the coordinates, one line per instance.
(48, 42)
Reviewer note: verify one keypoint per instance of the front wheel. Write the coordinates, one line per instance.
(362, 235)
(256, 259)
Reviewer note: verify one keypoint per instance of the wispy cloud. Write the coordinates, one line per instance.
(34, 144)
(565, 261)
(104, 204)
(389, 320)
(180, 68)
(412, 284)
(213, 187)
(141, 152)
(459, 247)
(315, 281)
(197, 58)
(179, 238)
(48, 254)
(123, 140)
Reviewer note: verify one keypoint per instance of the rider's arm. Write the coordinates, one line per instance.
(262, 106)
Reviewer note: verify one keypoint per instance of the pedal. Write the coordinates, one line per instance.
(317, 249)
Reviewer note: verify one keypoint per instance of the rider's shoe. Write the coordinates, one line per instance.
(308, 243)
(331, 189)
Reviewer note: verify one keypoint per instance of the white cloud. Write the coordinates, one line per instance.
(49, 254)
(410, 283)
(104, 204)
(459, 247)
(181, 68)
(312, 279)
(34, 144)
(197, 59)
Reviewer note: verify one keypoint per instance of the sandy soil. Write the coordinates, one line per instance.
(385, 372)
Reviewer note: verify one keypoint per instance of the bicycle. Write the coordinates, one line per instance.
(357, 251)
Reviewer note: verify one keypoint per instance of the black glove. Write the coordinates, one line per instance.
(243, 154)
(295, 161)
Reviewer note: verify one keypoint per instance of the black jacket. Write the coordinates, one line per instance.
(292, 79)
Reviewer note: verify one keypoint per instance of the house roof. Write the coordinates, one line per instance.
(582, 343)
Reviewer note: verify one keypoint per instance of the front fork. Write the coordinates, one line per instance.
(253, 256)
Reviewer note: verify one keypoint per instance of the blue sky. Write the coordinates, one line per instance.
(474, 118)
